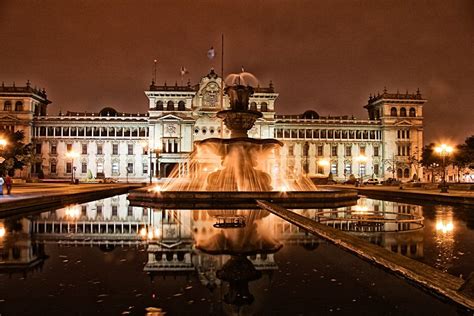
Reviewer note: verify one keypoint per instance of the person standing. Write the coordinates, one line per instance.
(1, 185)
(8, 183)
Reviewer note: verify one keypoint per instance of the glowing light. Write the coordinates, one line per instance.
(361, 158)
(323, 162)
(157, 188)
(73, 211)
(283, 188)
(143, 232)
(444, 227)
(3, 232)
(360, 209)
(72, 154)
(444, 149)
(3, 142)
(157, 232)
(150, 234)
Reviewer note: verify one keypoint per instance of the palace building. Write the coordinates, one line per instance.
(144, 146)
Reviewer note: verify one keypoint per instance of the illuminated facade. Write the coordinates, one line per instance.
(117, 145)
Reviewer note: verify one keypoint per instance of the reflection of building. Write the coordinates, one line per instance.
(121, 145)
(19, 253)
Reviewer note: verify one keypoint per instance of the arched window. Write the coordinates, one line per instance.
(181, 106)
(170, 106)
(253, 106)
(19, 106)
(393, 111)
(264, 107)
(403, 112)
(377, 114)
(399, 173)
(159, 105)
(412, 112)
(7, 106)
(406, 173)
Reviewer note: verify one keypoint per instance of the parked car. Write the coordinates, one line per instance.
(391, 181)
(371, 181)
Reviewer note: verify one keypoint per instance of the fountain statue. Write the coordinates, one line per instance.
(239, 153)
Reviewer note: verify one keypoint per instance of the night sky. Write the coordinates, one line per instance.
(323, 55)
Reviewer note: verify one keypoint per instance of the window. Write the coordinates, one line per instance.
(253, 106)
(114, 210)
(68, 167)
(54, 149)
(403, 112)
(334, 151)
(181, 106)
(264, 107)
(115, 167)
(412, 112)
(159, 105)
(130, 149)
(393, 111)
(38, 148)
(99, 149)
(362, 170)
(334, 168)
(130, 211)
(376, 169)
(84, 167)
(100, 167)
(7, 106)
(348, 151)
(362, 150)
(291, 150)
(320, 150)
(114, 149)
(130, 167)
(53, 167)
(145, 168)
(376, 151)
(170, 106)
(348, 168)
(305, 149)
(84, 149)
(99, 209)
(19, 106)
(68, 147)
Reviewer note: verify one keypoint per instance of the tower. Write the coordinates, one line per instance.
(401, 119)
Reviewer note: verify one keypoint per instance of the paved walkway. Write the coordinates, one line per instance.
(37, 195)
(432, 195)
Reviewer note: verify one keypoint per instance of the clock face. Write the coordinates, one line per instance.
(211, 95)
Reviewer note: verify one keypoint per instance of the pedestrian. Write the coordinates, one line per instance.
(8, 183)
(1, 185)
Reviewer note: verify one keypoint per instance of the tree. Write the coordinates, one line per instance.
(431, 161)
(464, 155)
(15, 154)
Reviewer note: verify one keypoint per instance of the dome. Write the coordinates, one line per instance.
(310, 115)
(107, 111)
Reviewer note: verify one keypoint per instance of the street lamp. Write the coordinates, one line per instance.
(361, 159)
(72, 154)
(444, 150)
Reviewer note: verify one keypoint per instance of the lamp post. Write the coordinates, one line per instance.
(444, 150)
(361, 159)
(72, 154)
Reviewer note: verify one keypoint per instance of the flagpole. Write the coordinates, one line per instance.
(222, 83)
(154, 71)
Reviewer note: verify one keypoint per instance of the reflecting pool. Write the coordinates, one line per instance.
(106, 257)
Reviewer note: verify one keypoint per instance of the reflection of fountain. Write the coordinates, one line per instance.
(238, 271)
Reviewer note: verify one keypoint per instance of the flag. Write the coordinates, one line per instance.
(211, 53)
(184, 71)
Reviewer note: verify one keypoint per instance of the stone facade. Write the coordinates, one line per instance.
(117, 145)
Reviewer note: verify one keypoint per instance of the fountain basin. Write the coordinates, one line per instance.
(241, 199)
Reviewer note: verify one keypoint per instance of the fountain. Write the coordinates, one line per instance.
(240, 171)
